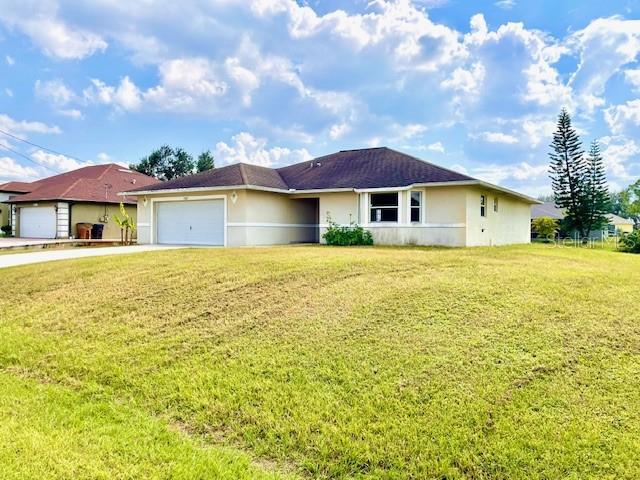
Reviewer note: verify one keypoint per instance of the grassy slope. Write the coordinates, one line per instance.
(518, 362)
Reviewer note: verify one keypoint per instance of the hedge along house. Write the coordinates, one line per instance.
(401, 199)
(51, 207)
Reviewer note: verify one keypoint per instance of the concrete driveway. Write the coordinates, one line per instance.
(15, 259)
(7, 242)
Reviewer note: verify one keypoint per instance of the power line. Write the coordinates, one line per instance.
(40, 146)
(26, 158)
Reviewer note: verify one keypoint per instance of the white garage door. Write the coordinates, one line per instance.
(193, 222)
(37, 222)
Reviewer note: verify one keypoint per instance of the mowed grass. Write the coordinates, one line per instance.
(511, 362)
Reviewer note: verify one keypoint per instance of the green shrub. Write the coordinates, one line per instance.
(6, 229)
(347, 235)
(545, 227)
(631, 242)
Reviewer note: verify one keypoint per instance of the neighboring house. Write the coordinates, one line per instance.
(619, 224)
(401, 199)
(6, 191)
(615, 226)
(51, 207)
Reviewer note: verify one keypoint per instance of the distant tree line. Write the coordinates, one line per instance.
(627, 203)
(167, 163)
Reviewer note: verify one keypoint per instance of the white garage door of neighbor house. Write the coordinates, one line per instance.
(191, 222)
(38, 222)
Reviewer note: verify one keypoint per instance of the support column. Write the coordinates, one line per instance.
(14, 220)
(62, 222)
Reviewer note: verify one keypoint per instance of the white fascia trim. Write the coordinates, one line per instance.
(382, 189)
(333, 190)
(321, 190)
(480, 183)
(204, 189)
(511, 192)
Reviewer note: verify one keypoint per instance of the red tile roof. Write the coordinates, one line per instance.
(16, 187)
(97, 183)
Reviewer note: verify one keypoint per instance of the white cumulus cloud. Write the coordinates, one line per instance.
(59, 163)
(126, 96)
(249, 149)
(40, 21)
(496, 137)
(10, 170)
(436, 147)
(624, 116)
(22, 126)
(604, 46)
(54, 91)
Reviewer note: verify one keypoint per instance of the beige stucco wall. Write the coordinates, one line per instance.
(273, 219)
(442, 223)
(253, 217)
(511, 224)
(5, 208)
(235, 212)
(95, 213)
(4, 214)
(84, 213)
(341, 207)
(624, 228)
(410, 235)
(451, 216)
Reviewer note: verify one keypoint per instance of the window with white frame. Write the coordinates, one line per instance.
(415, 207)
(495, 204)
(383, 207)
(483, 205)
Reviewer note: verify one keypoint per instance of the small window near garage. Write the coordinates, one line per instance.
(483, 205)
(496, 205)
(416, 207)
(383, 207)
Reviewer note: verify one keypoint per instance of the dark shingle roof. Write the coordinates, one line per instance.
(366, 168)
(231, 175)
(547, 209)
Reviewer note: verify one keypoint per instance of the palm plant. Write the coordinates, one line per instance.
(126, 224)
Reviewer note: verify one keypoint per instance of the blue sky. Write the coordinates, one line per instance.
(470, 85)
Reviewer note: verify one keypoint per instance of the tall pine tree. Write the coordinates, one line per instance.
(597, 201)
(567, 171)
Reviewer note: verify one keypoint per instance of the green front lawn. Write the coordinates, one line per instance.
(514, 362)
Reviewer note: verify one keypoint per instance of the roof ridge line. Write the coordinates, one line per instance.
(243, 175)
(432, 164)
(69, 187)
(105, 170)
